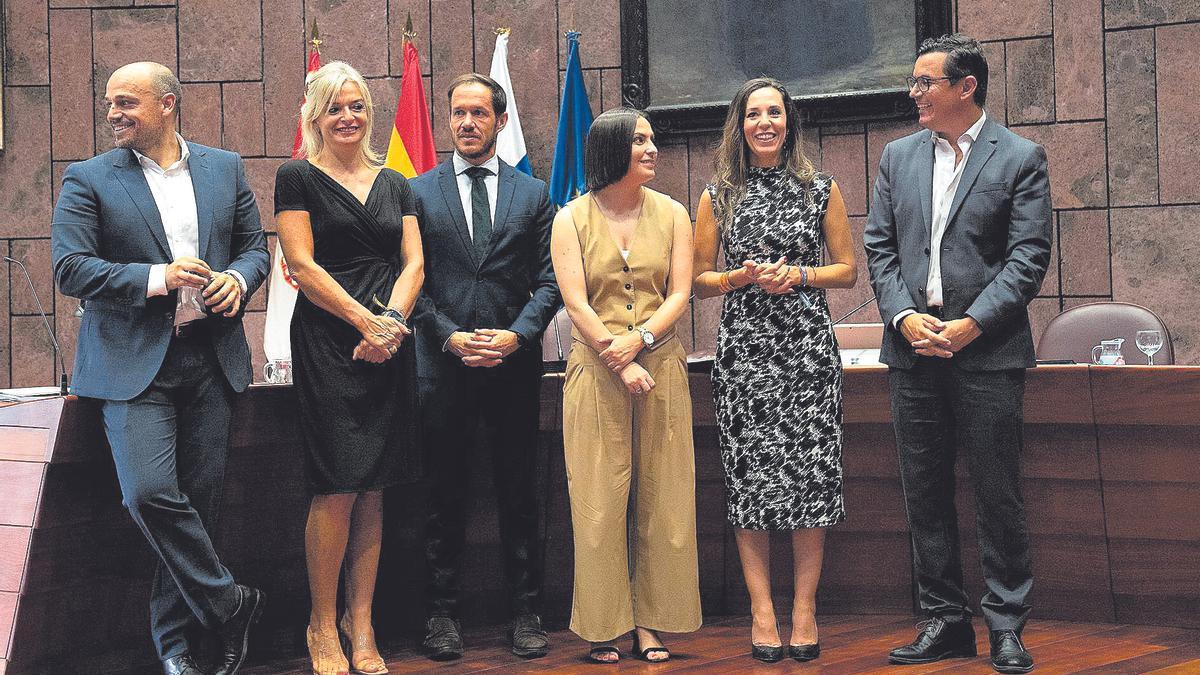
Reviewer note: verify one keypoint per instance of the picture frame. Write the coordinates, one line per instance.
(648, 49)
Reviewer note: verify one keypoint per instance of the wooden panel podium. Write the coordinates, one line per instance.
(1111, 471)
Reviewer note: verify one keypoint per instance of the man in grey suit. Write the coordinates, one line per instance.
(958, 241)
(161, 240)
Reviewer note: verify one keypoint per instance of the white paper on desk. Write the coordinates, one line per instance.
(27, 393)
(860, 357)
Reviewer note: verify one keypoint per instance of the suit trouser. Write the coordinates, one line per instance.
(505, 400)
(169, 445)
(940, 409)
(631, 473)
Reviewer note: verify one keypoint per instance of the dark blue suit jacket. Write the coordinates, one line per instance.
(106, 234)
(995, 249)
(512, 287)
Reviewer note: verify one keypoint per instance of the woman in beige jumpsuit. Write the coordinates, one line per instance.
(622, 255)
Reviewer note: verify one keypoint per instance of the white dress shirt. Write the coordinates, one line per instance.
(492, 183)
(946, 176)
(176, 201)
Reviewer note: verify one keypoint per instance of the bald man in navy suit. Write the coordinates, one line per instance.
(161, 240)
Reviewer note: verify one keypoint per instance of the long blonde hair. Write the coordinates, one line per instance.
(733, 153)
(321, 87)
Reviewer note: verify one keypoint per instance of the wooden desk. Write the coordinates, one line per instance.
(1111, 484)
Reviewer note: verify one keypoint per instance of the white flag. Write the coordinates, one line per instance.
(281, 300)
(510, 145)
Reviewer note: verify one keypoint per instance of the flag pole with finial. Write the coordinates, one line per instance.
(409, 33)
(315, 41)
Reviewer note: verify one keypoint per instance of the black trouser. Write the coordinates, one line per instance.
(169, 445)
(505, 401)
(940, 409)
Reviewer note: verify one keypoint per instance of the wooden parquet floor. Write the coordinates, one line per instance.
(849, 644)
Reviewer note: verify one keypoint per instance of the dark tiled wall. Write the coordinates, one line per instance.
(1108, 86)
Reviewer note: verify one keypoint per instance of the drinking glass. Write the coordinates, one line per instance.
(1149, 342)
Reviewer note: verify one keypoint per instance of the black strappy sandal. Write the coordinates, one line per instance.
(598, 650)
(644, 654)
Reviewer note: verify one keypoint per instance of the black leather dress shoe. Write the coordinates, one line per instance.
(443, 639)
(526, 637)
(804, 653)
(766, 653)
(235, 633)
(181, 665)
(938, 639)
(1008, 653)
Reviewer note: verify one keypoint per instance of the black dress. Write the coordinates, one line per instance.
(777, 376)
(357, 419)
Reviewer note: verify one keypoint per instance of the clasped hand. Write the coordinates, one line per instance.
(381, 338)
(775, 278)
(930, 336)
(483, 347)
(619, 351)
(222, 293)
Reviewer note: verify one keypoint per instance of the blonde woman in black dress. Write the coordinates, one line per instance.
(777, 377)
(349, 233)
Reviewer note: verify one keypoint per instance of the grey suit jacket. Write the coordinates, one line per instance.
(106, 234)
(995, 249)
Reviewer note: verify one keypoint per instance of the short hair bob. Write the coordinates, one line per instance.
(607, 148)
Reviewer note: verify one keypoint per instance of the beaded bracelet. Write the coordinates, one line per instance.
(803, 276)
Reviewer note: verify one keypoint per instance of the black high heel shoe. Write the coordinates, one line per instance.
(804, 653)
(766, 653)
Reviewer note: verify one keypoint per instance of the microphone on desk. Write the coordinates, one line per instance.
(557, 338)
(62, 382)
(847, 315)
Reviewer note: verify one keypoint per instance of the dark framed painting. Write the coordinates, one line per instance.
(842, 60)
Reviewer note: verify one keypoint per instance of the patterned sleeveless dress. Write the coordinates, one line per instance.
(777, 378)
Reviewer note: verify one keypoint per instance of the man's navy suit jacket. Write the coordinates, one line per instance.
(106, 234)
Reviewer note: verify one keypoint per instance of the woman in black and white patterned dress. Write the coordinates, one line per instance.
(777, 379)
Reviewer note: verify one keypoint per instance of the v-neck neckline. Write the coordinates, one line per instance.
(335, 181)
(637, 226)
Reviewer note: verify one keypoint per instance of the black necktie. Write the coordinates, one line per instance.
(481, 212)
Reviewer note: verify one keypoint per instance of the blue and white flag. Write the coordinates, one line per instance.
(574, 120)
(510, 145)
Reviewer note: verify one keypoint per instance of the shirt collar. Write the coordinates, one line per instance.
(148, 163)
(461, 165)
(972, 133)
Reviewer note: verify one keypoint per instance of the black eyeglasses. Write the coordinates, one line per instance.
(924, 82)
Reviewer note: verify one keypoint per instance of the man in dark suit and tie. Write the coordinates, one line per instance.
(958, 241)
(161, 240)
(489, 293)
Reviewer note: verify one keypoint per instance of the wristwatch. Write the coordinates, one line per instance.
(647, 337)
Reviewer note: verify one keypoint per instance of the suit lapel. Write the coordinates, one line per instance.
(449, 184)
(925, 185)
(129, 172)
(981, 151)
(201, 184)
(504, 197)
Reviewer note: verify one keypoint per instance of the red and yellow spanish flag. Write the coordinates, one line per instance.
(410, 151)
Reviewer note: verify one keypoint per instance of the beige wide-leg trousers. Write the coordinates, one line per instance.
(631, 473)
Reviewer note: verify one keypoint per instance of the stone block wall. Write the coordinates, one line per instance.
(1105, 85)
